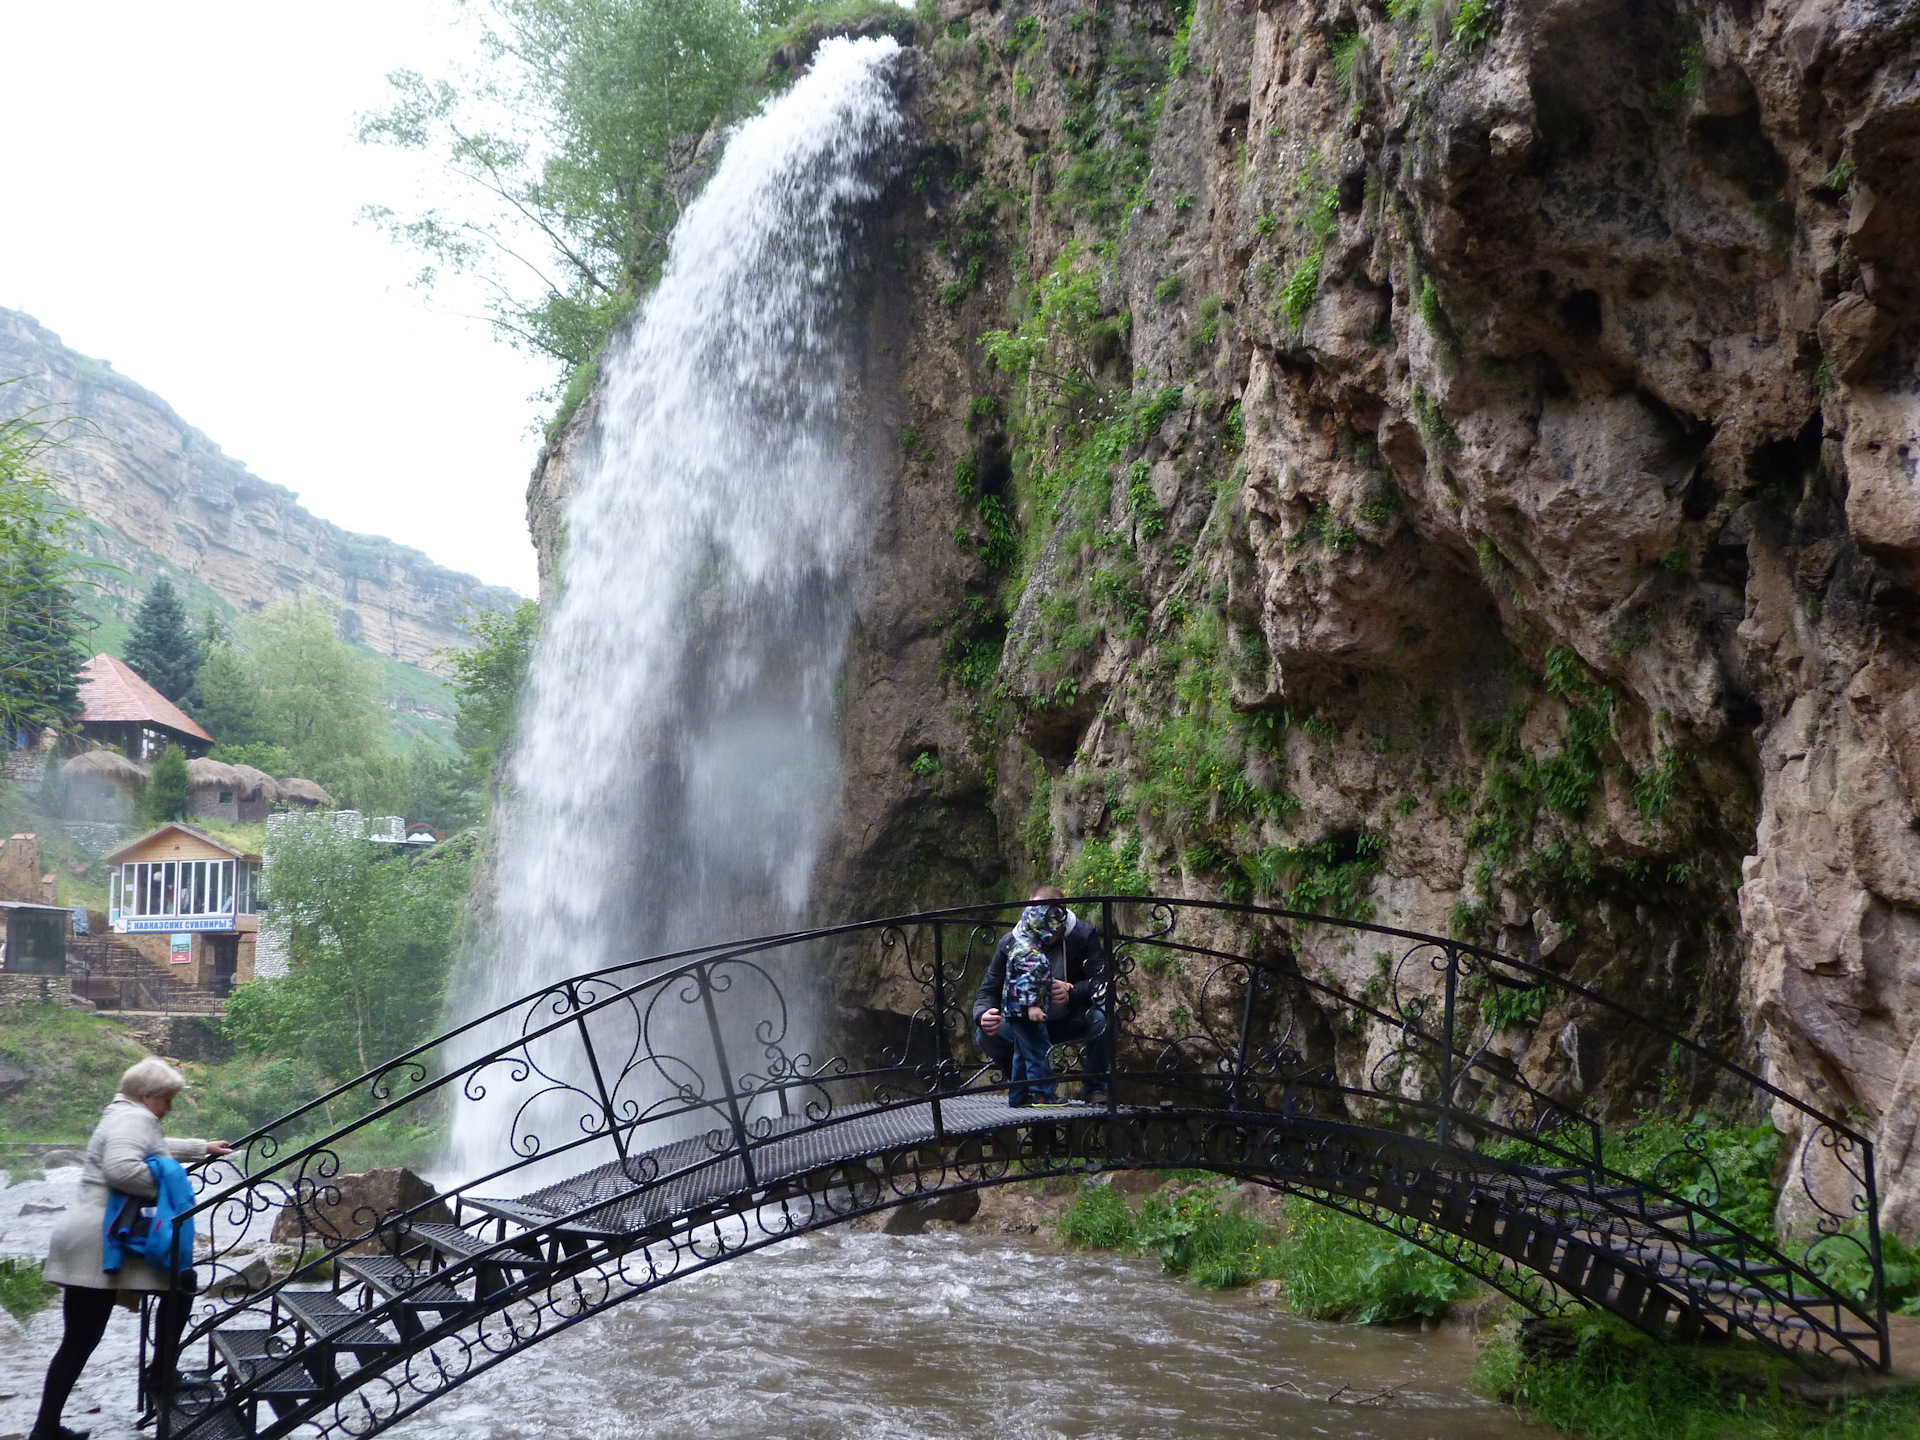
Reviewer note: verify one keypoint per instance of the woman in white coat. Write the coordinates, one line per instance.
(128, 1133)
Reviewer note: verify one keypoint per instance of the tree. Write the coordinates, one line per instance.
(163, 650)
(168, 790)
(565, 143)
(488, 679)
(310, 694)
(440, 788)
(42, 639)
(224, 702)
(369, 933)
(272, 759)
(290, 692)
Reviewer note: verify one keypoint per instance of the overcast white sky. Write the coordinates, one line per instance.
(181, 186)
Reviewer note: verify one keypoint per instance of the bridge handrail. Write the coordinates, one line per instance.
(573, 1004)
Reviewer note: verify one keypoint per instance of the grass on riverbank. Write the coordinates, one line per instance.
(22, 1291)
(1331, 1266)
(1596, 1376)
(74, 1061)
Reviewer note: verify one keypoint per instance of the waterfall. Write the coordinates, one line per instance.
(677, 770)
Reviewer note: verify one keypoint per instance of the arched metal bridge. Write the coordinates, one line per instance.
(657, 1119)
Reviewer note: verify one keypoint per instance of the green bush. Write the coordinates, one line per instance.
(22, 1291)
(1341, 1268)
(1596, 1376)
(1334, 1266)
(1099, 1219)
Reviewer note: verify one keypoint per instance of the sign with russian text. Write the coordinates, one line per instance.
(182, 950)
(162, 924)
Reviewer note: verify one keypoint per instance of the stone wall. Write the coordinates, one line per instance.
(20, 991)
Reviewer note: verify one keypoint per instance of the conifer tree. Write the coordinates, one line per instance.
(163, 650)
(42, 642)
(169, 791)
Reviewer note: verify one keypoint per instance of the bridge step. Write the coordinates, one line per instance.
(322, 1315)
(221, 1422)
(400, 1282)
(518, 1253)
(260, 1359)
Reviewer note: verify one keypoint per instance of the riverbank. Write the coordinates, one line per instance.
(1589, 1375)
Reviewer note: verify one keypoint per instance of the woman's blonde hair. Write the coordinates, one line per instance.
(150, 1077)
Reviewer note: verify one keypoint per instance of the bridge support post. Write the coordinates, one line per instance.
(941, 1052)
(734, 1116)
(1110, 1003)
(1446, 1047)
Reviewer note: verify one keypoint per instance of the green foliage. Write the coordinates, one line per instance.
(23, 1293)
(168, 789)
(1334, 1267)
(1653, 791)
(1101, 869)
(245, 1094)
(163, 650)
(1169, 289)
(261, 755)
(1471, 21)
(1297, 296)
(370, 934)
(1507, 1007)
(1594, 1375)
(488, 680)
(1329, 876)
(308, 694)
(1350, 60)
(560, 143)
(1185, 1226)
(75, 1060)
(42, 640)
(1099, 1219)
(1341, 1268)
(926, 764)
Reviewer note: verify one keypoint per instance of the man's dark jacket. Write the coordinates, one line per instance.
(1084, 966)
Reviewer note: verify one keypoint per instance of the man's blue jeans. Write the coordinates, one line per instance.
(1031, 1073)
(1086, 1027)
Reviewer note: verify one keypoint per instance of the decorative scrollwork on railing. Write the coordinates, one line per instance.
(632, 1092)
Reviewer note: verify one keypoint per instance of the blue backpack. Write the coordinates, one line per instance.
(144, 1228)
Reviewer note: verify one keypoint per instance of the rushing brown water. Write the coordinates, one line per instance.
(851, 1335)
(858, 1336)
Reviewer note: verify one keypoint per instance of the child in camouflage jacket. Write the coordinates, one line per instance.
(1023, 1006)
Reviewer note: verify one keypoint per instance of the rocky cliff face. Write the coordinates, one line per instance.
(1454, 462)
(163, 500)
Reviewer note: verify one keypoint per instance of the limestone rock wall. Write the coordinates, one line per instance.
(165, 500)
(1453, 462)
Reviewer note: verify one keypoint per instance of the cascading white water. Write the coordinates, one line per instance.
(677, 767)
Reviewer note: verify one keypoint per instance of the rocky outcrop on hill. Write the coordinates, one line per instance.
(165, 501)
(1453, 461)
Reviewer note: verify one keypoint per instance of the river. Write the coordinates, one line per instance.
(855, 1335)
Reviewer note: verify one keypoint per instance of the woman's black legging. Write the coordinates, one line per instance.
(84, 1312)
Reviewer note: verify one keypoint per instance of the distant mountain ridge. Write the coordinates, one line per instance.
(163, 500)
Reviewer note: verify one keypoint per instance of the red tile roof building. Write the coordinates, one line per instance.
(121, 709)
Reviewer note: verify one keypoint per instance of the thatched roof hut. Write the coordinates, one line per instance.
(102, 785)
(109, 766)
(205, 774)
(304, 795)
(256, 784)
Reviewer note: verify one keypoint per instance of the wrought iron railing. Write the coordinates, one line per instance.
(639, 1078)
